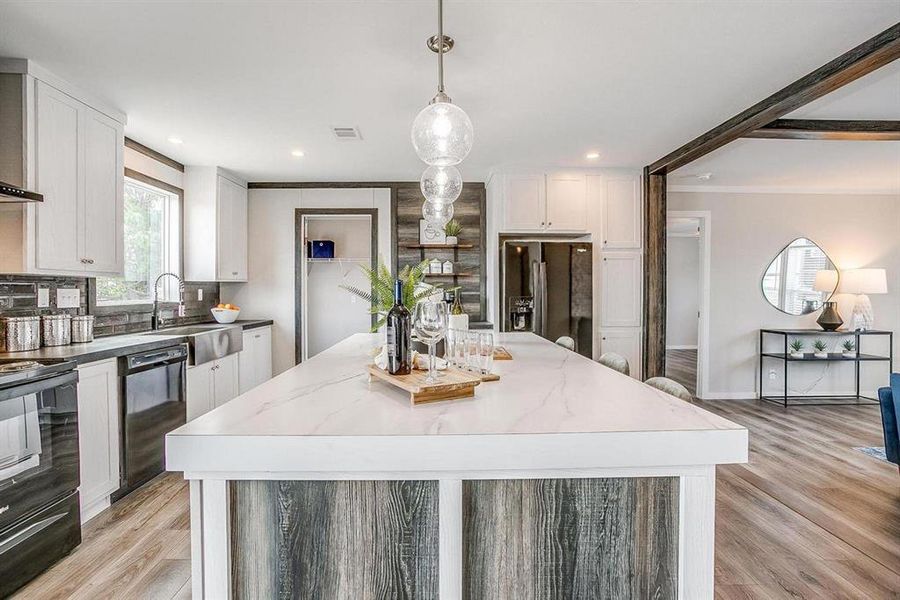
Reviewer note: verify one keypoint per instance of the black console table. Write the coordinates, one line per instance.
(786, 399)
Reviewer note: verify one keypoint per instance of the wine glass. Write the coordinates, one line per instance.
(430, 324)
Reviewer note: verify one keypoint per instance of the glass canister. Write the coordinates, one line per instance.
(82, 329)
(56, 330)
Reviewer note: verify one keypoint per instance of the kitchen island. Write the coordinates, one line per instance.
(565, 479)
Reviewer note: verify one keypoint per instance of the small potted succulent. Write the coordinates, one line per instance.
(821, 348)
(452, 230)
(797, 348)
(849, 349)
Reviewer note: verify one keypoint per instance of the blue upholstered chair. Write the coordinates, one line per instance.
(889, 398)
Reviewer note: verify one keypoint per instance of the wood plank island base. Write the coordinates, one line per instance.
(563, 480)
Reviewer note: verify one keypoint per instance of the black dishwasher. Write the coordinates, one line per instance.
(153, 404)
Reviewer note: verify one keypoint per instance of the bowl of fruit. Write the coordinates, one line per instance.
(226, 313)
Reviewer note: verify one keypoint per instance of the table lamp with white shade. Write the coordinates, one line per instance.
(863, 282)
(826, 282)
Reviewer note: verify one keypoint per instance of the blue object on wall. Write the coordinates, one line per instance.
(320, 249)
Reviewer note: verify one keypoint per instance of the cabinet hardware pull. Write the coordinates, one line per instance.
(550, 224)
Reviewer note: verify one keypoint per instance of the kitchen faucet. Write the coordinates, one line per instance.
(154, 318)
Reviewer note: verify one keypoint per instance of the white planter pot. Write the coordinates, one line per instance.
(796, 355)
(849, 354)
(821, 355)
(452, 240)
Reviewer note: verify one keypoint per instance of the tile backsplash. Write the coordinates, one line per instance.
(19, 297)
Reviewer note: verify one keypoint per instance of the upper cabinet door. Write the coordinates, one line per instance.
(566, 202)
(620, 290)
(524, 203)
(621, 219)
(59, 219)
(231, 242)
(103, 247)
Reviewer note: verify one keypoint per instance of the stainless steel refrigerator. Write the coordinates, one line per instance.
(547, 289)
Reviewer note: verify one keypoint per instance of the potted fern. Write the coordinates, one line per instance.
(797, 348)
(849, 349)
(821, 348)
(452, 230)
(381, 295)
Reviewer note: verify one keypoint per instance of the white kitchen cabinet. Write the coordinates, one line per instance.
(199, 389)
(211, 385)
(556, 202)
(58, 165)
(215, 225)
(67, 146)
(524, 202)
(98, 435)
(621, 214)
(256, 358)
(624, 341)
(226, 380)
(620, 289)
(566, 202)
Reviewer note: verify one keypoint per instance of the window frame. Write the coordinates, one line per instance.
(140, 306)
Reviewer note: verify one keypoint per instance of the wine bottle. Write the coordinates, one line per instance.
(399, 330)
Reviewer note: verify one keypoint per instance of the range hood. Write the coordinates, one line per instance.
(12, 193)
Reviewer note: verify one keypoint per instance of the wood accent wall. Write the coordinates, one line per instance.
(469, 210)
(364, 540)
(570, 538)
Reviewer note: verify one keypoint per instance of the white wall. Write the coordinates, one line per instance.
(682, 291)
(748, 230)
(269, 294)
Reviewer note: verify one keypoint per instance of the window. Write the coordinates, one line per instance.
(152, 247)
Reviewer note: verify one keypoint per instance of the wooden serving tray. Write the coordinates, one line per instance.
(453, 385)
(501, 353)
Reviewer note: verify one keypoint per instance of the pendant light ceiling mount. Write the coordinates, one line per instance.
(432, 44)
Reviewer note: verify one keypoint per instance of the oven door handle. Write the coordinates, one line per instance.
(38, 386)
(33, 529)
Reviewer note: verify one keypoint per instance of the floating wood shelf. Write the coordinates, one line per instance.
(438, 246)
(450, 274)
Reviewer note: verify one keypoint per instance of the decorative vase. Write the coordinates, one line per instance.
(830, 319)
(452, 240)
(849, 353)
(821, 354)
(796, 355)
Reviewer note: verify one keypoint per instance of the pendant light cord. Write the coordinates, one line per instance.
(440, 45)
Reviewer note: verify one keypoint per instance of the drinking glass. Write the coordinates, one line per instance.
(486, 347)
(430, 325)
(473, 351)
(459, 343)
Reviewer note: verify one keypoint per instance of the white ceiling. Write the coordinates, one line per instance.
(244, 83)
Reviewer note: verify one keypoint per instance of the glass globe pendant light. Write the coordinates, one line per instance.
(442, 132)
(441, 184)
(437, 214)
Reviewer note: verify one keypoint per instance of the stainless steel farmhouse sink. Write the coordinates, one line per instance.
(207, 342)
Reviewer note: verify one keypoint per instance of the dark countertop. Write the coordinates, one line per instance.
(114, 346)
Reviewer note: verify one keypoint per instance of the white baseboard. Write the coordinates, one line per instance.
(694, 347)
(91, 511)
(729, 396)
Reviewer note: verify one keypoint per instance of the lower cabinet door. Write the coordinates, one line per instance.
(98, 434)
(225, 380)
(199, 389)
(625, 341)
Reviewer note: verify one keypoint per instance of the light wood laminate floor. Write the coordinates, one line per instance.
(809, 517)
(681, 365)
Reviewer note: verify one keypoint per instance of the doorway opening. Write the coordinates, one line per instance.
(687, 293)
(331, 244)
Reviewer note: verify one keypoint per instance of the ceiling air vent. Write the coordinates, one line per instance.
(346, 133)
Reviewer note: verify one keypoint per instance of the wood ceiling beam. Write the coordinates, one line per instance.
(850, 66)
(830, 129)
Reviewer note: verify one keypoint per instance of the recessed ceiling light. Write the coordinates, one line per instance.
(297, 153)
(592, 155)
(174, 139)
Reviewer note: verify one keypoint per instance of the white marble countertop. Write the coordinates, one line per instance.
(552, 409)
